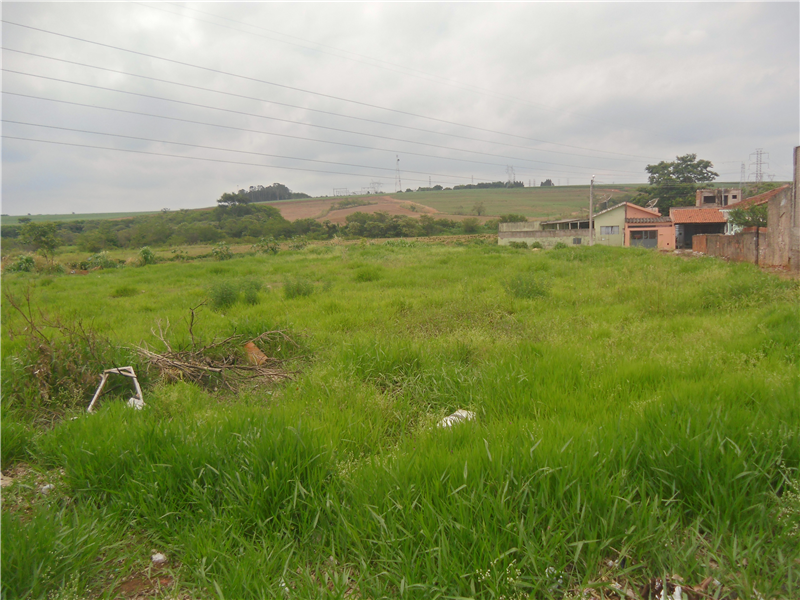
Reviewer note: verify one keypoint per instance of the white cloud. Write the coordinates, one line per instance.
(651, 80)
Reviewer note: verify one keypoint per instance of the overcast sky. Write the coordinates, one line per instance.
(324, 96)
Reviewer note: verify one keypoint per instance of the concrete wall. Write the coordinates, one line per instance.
(748, 246)
(779, 214)
(517, 232)
(794, 218)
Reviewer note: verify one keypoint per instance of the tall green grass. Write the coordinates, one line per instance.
(644, 408)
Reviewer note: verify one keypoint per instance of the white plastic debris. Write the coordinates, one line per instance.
(158, 559)
(284, 587)
(46, 489)
(136, 403)
(459, 416)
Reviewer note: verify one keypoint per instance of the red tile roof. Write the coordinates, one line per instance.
(756, 200)
(697, 215)
(653, 219)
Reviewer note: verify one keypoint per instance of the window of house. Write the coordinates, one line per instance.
(709, 199)
(644, 235)
(609, 229)
(576, 241)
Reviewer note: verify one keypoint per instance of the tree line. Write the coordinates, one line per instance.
(229, 222)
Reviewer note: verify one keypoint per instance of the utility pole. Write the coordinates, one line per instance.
(398, 182)
(591, 212)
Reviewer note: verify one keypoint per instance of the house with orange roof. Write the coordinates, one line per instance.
(690, 221)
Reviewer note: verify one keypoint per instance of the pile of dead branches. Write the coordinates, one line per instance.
(225, 363)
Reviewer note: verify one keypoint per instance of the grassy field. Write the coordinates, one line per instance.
(535, 203)
(14, 220)
(637, 418)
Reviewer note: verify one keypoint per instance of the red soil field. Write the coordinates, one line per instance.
(320, 209)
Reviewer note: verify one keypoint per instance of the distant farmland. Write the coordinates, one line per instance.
(536, 202)
(6, 220)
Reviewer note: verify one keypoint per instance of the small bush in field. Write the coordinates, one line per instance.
(560, 246)
(223, 295)
(222, 251)
(266, 245)
(101, 260)
(526, 286)
(537, 245)
(297, 287)
(471, 225)
(23, 264)
(250, 291)
(520, 245)
(147, 256)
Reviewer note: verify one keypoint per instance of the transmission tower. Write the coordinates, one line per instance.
(742, 177)
(759, 164)
(511, 176)
(398, 184)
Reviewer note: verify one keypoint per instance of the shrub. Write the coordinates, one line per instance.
(221, 251)
(526, 286)
(369, 273)
(560, 246)
(101, 260)
(520, 245)
(147, 256)
(512, 218)
(537, 245)
(23, 264)
(266, 245)
(56, 362)
(223, 295)
(298, 243)
(297, 287)
(51, 268)
(250, 289)
(470, 225)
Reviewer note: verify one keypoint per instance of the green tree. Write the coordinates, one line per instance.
(41, 236)
(229, 199)
(675, 183)
(752, 216)
(479, 208)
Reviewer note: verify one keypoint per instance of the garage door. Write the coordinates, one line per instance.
(644, 239)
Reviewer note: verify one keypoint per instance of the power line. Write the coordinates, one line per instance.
(243, 129)
(133, 137)
(321, 94)
(403, 70)
(242, 96)
(196, 105)
(216, 160)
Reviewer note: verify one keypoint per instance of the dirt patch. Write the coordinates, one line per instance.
(322, 208)
(142, 585)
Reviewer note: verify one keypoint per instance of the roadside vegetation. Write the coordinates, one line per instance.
(637, 427)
